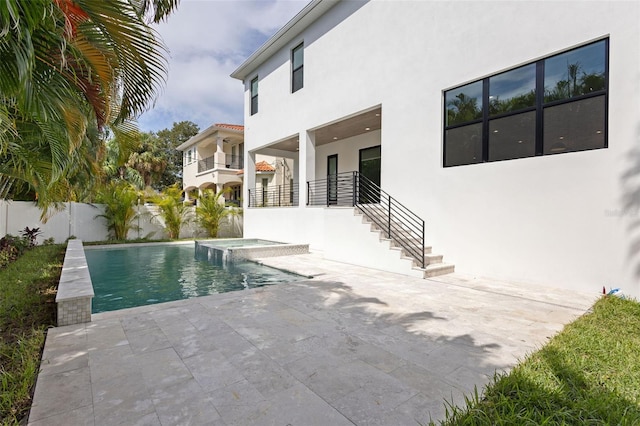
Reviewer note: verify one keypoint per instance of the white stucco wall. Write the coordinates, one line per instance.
(347, 150)
(555, 220)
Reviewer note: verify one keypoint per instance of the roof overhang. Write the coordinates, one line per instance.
(285, 35)
(206, 133)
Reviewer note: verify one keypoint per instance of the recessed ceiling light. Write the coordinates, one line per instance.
(367, 128)
(495, 131)
(377, 114)
(335, 138)
(599, 131)
(561, 137)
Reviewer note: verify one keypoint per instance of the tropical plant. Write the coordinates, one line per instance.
(30, 235)
(68, 68)
(173, 212)
(211, 211)
(11, 248)
(119, 199)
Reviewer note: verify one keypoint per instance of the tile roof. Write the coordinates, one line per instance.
(263, 166)
(230, 126)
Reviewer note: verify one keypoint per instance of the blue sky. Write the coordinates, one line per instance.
(207, 40)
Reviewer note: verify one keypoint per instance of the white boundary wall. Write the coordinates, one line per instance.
(81, 221)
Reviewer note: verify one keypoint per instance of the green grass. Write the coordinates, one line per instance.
(27, 309)
(589, 374)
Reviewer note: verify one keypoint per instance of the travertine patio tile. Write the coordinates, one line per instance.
(105, 334)
(147, 340)
(121, 400)
(263, 373)
(63, 359)
(112, 362)
(162, 368)
(351, 346)
(213, 371)
(82, 416)
(300, 406)
(377, 397)
(240, 403)
(185, 403)
(60, 393)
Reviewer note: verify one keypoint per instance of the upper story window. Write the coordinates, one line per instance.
(189, 156)
(254, 96)
(554, 105)
(297, 68)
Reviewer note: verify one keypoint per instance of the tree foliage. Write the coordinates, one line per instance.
(167, 141)
(172, 210)
(211, 211)
(120, 199)
(68, 70)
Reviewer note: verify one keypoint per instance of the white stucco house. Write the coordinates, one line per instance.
(214, 159)
(510, 128)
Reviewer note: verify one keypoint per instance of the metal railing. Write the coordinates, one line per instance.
(231, 162)
(399, 224)
(274, 196)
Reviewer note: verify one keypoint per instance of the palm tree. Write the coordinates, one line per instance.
(173, 211)
(211, 211)
(119, 199)
(68, 66)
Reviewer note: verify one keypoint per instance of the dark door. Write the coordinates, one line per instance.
(332, 179)
(369, 168)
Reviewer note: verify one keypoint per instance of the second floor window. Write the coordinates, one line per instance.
(297, 68)
(554, 105)
(254, 96)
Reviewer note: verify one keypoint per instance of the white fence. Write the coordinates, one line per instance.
(82, 221)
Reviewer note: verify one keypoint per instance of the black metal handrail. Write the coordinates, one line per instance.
(405, 228)
(274, 196)
(230, 162)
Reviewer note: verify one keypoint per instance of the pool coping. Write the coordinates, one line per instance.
(75, 289)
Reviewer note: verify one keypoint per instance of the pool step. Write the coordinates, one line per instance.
(433, 264)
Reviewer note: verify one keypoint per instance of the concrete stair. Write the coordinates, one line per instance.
(434, 266)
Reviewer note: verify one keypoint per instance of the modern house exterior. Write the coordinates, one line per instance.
(214, 159)
(510, 128)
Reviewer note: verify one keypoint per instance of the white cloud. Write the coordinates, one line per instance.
(207, 40)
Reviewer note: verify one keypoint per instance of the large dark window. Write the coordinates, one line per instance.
(556, 104)
(297, 68)
(254, 96)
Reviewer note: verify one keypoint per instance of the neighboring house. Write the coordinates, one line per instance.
(214, 159)
(511, 128)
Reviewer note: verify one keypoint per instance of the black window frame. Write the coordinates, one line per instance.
(541, 104)
(254, 97)
(297, 71)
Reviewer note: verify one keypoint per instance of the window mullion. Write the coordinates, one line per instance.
(539, 106)
(485, 120)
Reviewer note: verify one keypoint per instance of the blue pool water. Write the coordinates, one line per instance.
(144, 275)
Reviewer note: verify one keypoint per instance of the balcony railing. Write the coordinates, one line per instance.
(231, 162)
(274, 196)
(398, 223)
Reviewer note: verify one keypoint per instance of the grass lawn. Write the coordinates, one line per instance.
(27, 309)
(589, 374)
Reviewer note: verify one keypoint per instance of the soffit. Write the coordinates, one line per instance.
(353, 126)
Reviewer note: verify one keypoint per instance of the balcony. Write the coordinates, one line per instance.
(274, 196)
(231, 162)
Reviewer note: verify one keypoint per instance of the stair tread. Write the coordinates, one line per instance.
(433, 261)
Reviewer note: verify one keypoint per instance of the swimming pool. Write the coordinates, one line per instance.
(125, 277)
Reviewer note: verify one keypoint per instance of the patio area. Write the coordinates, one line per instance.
(350, 346)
